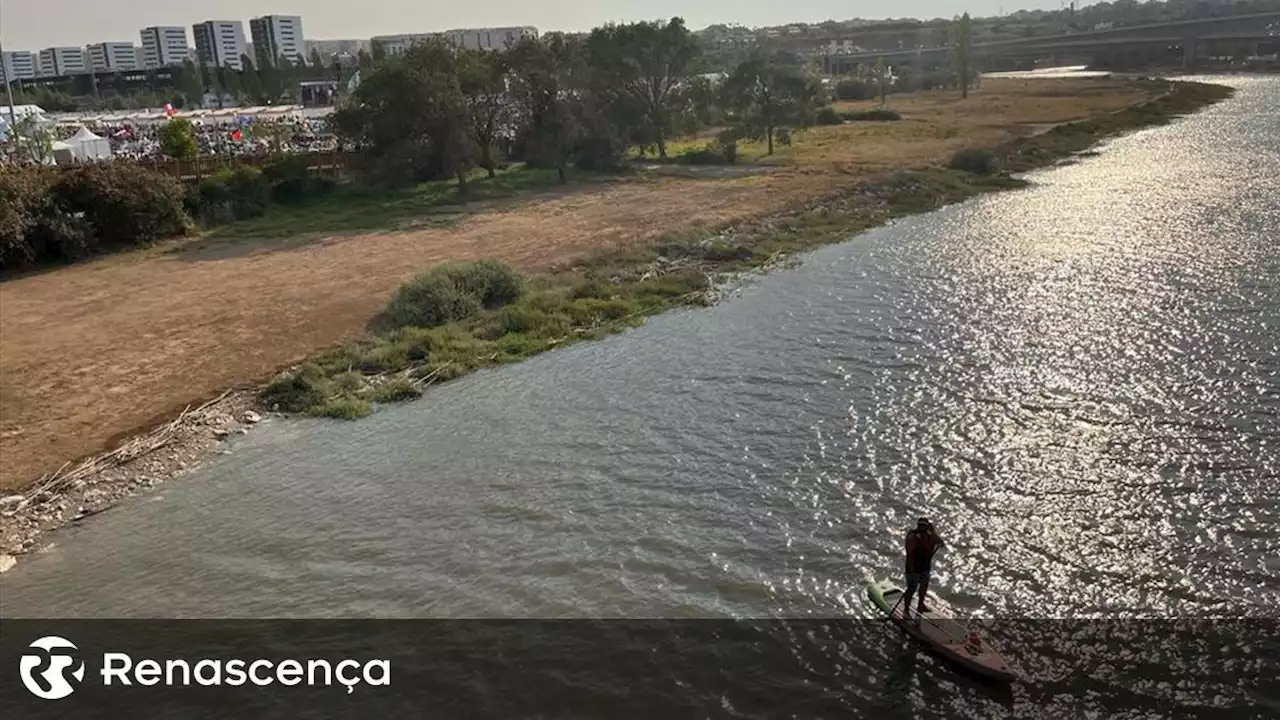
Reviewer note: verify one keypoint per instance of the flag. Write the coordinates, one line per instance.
(169, 111)
(236, 136)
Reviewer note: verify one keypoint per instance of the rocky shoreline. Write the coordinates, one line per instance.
(102, 481)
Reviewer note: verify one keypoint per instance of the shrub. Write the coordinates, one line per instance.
(229, 195)
(59, 216)
(876, 115)
(974, 160)
(715, 153)
(491, 283)
(291, 180)
(855, 90)
(428, 300)
(296, 391)
(127, 204)
(396, 390)
(828, 116)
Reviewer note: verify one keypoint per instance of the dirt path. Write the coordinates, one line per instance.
(93, 352)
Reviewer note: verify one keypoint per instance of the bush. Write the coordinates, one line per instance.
(291, 180)
(974, 160)
(127, 205)
(297, 391)
(49, 217)
(876, 115)
(855, 90)
(828, 116)
(428, 300)
(716, 153)
(229, 195)
(490, 282)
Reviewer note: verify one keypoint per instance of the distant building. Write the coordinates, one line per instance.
(330, 48)
(112, 57)
(19, 65)
(489, 38)
(219, 43)
(277, 36)
(164, 46)
(473, 38)
(61, 61)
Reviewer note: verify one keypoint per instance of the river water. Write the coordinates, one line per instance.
(1077, 382)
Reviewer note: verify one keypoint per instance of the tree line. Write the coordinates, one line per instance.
(557, 101)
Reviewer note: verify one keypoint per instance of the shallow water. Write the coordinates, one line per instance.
(1076, 381)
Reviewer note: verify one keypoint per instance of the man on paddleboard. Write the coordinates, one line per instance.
(921, 544)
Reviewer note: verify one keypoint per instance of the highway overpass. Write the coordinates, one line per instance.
(1192, 38)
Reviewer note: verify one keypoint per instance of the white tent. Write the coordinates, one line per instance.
(88, 146)
(63, 153)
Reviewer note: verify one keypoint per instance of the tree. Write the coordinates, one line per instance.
(378, 51)
(231, 81)
(482, 78)
(250, 82)
(26, 140)
(187, 80)
(766, 97)
(178, 139)
(364, 60)
(542, 85)
(962, 42)
(882, 78)
(645, 62)
(410, 117)
(316, 61)
(272, 85)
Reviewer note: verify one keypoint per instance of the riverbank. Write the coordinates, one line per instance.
(792, 211)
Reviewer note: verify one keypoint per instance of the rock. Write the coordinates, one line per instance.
(6, 562)
(221, 433)
(44, 496)
(12, 502)
(251, 417)
(242, 431)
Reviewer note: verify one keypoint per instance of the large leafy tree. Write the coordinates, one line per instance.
(544, 87)
(765, 96)
(482, 78)
(645, 64)
(410, 117)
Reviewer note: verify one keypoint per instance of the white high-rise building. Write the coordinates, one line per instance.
(164, 45)
(219, 43)
(112, 57)
(277, 36)
(19, 65)
(60, 61)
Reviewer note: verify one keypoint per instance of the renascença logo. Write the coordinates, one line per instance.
(45, 673)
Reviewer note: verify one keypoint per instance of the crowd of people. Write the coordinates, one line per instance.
(239, 135)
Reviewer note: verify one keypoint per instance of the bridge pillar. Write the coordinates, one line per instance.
(1190, 51)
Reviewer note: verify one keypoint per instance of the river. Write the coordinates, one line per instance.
(1077, 382)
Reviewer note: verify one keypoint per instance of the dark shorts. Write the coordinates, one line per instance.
(917, 579)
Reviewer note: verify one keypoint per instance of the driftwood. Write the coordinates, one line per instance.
(132, 450)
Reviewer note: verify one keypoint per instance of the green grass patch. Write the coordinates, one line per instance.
(397, 389)
(356, 208)
(344, 407)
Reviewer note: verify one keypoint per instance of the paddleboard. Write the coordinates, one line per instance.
(943, 634)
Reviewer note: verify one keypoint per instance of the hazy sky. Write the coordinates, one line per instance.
(35, 24)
